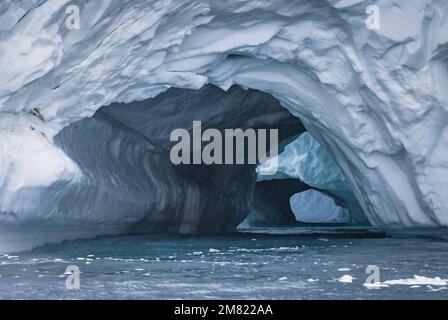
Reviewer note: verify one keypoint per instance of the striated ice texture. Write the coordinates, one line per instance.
(315, 207)
(376, 100)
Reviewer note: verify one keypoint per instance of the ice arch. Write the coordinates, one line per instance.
(306, 160)
(374, 98)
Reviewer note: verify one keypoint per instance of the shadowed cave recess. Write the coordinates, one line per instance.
(159, 196)
(130, 186)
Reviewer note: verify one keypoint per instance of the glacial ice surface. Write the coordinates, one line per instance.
(315, 207)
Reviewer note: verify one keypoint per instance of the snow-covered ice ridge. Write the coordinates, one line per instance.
(375, 99)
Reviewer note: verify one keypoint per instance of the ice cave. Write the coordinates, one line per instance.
(86, 116)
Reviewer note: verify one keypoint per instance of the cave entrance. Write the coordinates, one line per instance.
(158, 196)
(309, 189)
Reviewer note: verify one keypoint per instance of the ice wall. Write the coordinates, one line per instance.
(270, 204)
(375, 99)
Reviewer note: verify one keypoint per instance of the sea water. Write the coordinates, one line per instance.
(237, 266)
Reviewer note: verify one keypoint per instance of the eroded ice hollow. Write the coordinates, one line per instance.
(375, 100)
(125, 182)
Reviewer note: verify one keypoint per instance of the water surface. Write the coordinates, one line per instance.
(241, 266)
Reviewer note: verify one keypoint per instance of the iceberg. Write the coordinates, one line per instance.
(306, 160)
(374, 98)
(313, 206)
